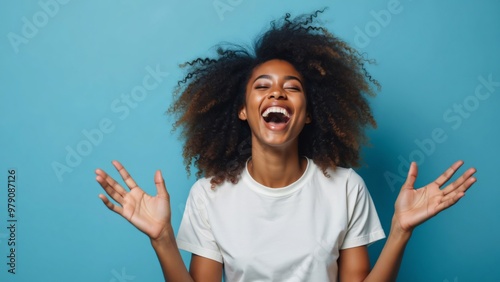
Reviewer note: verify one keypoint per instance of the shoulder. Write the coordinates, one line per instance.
(200, 190)
(201, 185)
(340, 181)
(338, 175)
(203, 190)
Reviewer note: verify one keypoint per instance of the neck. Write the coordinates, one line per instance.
(276, 167)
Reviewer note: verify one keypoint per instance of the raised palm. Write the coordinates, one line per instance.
(415, 206)
(149, 214)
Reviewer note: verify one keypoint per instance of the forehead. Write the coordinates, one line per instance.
(277, 68)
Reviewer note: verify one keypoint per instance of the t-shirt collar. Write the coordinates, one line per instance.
(277, 192)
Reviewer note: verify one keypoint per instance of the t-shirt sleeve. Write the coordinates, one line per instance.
(363, 223)
(195, 234)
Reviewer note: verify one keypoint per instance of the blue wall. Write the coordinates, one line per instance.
(73, 98)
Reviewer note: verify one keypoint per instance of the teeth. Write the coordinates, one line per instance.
(277, 110)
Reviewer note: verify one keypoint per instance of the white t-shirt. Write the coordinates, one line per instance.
(280, 234)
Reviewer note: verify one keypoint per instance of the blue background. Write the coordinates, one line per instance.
(66, 75)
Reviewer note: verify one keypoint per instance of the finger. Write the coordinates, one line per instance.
(454, 196)
(112, 188)
(459, 183)
(412, 176)
(161, 189)
(462, 184)
(443, 178)
(125, 175)
(450, 202)
(110, 205)
(452, 199)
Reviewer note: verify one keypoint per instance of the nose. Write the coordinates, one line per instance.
(277, 94)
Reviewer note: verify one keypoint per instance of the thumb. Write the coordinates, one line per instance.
(161, 189)
(412, 176)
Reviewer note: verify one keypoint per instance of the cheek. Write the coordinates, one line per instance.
(303, 110)
(301, 103)
(252, 102)
(248, 110)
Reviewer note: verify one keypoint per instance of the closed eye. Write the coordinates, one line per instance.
(261, 87)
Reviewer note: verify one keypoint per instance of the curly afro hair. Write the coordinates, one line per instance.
(336, 83)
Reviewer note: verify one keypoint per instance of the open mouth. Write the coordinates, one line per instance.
(276, 115)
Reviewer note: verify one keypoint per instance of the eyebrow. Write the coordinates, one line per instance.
(288, 77)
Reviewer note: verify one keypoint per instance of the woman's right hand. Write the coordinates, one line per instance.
(151, 215)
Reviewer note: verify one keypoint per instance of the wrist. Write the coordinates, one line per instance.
(398, 232)
(166, 236)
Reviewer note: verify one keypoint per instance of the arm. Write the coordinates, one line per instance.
(201, 268)
(151, 215)
(412, 208)
(204, 269)
(354, 263)
(170, 259)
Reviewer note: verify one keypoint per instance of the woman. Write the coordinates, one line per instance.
(271, 132)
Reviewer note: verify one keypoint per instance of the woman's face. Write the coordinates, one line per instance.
(275, 104)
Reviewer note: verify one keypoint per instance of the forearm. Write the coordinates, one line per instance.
(170, 258)
(387, 266)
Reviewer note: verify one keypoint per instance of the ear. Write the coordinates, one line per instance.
(243, 113)
(308, 118)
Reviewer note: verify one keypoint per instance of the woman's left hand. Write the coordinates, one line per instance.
(415, 206)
